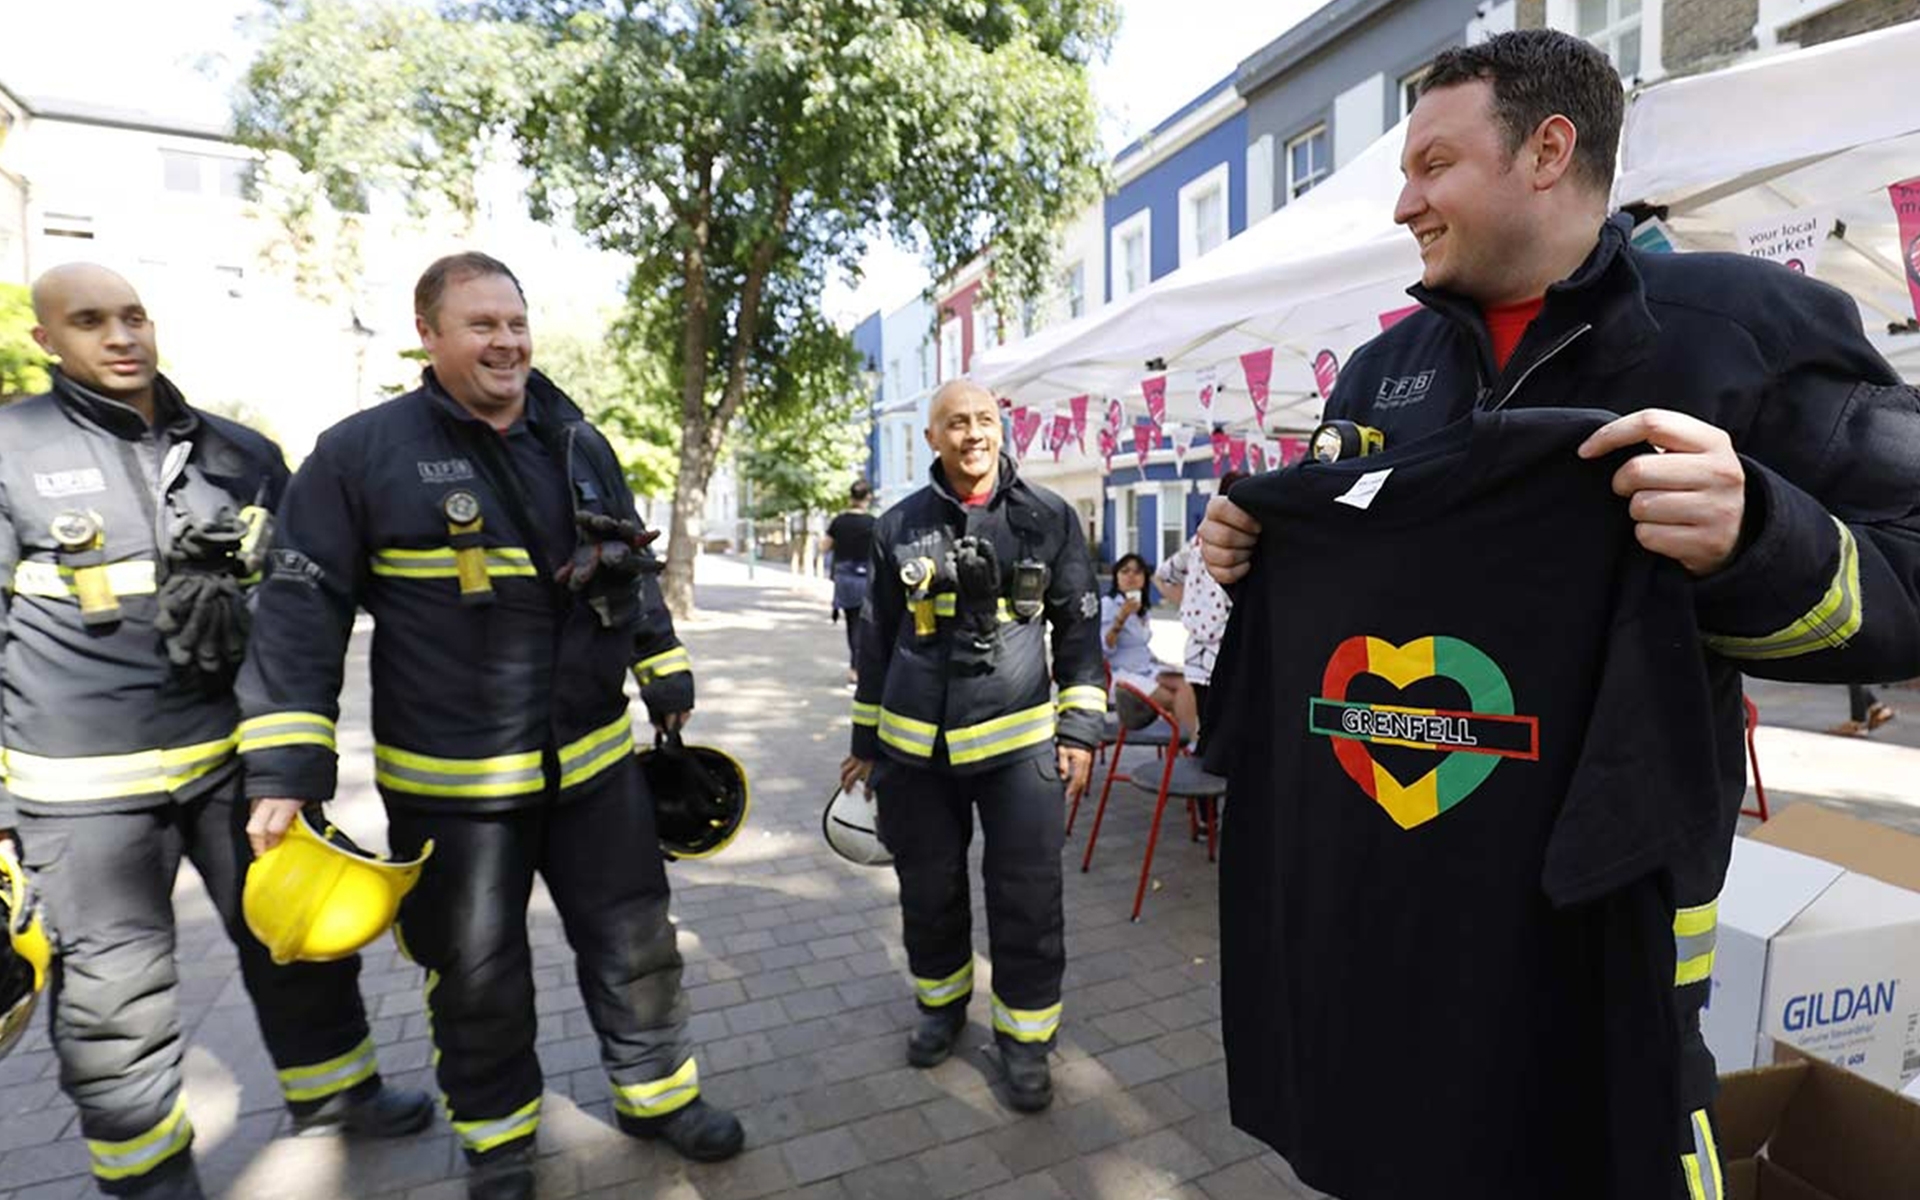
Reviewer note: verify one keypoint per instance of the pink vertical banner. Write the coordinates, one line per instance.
(1209, 387)
(1256, 457)
(1237, 452)
(1062, 433)
(1220, 450)
(1258, 365)
(1026, 423)
(1292, 449)
(1078, 406)
(1156, 393)
(1906, 207)
(1109, 445)
(1142, 443)
(1326, 369)
(1394, 316)
(1116, 417)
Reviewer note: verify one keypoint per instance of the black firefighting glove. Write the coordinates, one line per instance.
(976, 575)
(608, 553)
(202, 611)
(666, 696)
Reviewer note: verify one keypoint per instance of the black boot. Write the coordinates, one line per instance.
(507, 1176)
(698, 1130)
(175, 1180)
(934, 1038)
(381, 1112)
(1029, 1080)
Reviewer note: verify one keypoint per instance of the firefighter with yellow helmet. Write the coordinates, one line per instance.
(129, 527)
(489, 529)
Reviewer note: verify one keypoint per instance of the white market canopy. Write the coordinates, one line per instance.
(1826, 129)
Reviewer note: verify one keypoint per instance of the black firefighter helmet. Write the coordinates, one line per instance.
(700, 796)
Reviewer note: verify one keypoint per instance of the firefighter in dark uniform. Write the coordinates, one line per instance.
(489, 530)
(127, 522)
(955, 710)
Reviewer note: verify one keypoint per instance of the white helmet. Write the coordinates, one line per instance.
(852, 827)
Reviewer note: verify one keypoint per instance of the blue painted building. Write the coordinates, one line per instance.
(867, 344)
(1181, 191)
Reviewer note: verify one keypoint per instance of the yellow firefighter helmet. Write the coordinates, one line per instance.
(317, 897)
(25, 956)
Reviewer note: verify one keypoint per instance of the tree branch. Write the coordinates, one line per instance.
(747, 324)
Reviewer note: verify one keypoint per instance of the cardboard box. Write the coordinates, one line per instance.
(1819, 947)
(1806, 1130)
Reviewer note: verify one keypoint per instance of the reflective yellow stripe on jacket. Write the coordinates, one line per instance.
(908, 735)
(866, 714)
(1695, 932)
(584, 758)
(1092, 699)
(471, 778)
(439, 562)
(1829, 624)
(947, 605)
(140, 1155)
(111, 776)
(1702, 1167)
(1002, 735)
(661, 665)
(659, 1097)
(286, 729)
(134, 578)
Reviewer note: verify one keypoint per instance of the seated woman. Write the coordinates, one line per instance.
(1125, 632)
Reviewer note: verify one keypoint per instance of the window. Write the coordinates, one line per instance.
(1203, 214)
(896, 382)
(1614, 26)
(206, 174)
(1132, 253)
(1139, 521)
(180, 172)
(1410, 89)
(1308, 162)
(950, 349)
(68, 225)
(1173, 520)
(986, 327)
(1074, 284)
(236, 178)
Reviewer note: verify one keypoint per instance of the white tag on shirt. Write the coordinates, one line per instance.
(1364, 489)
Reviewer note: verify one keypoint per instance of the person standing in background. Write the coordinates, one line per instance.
(850, 541)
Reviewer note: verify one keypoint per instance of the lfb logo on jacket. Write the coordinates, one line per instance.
(1403, 390)
(445, 470)
(82, 481)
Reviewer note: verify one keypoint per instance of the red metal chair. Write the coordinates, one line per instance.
(1753, 760)
(1179, 776)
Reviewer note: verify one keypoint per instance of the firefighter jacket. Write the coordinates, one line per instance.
(93, 718)
(493, 686)
(922, 698)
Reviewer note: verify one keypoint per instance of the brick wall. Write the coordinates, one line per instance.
(1705, 33)
(1845, 20)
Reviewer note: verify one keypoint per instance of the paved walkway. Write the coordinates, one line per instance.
(798, 988)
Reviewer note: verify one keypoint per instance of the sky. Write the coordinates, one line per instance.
(176, 58)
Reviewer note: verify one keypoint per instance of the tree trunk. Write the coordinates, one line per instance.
(697, 445)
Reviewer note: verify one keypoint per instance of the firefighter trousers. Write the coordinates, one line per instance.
(106, 881)
(926, 821)
(466, 923)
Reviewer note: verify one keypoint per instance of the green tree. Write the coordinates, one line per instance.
(736, 151)
(23, 368)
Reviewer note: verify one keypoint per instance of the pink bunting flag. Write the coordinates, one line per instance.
(1274, 460)
(1906, 209)
(1208, 388)
(1026, 423)
(1237, 452)
(1394, 316)
(1142, 442)
(1108, 446)
(1177, 435)
(1062, 431)
(1256, 458)
(1156, 393)
(1292, 449)
(1116, 416)
(1258, 365)
(1078, 405)
(1326, 370)
(1220, 450)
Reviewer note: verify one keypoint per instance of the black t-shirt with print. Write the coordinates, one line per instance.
(1466, 722)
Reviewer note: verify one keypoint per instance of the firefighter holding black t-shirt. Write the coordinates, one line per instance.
(1785, 485)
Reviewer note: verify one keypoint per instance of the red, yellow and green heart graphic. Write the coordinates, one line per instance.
(1476, 740)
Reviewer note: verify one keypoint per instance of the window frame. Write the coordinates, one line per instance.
(1214, 181)
(1323, 166)
(1141, 223)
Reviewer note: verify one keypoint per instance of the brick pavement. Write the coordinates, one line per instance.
(799, 996)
